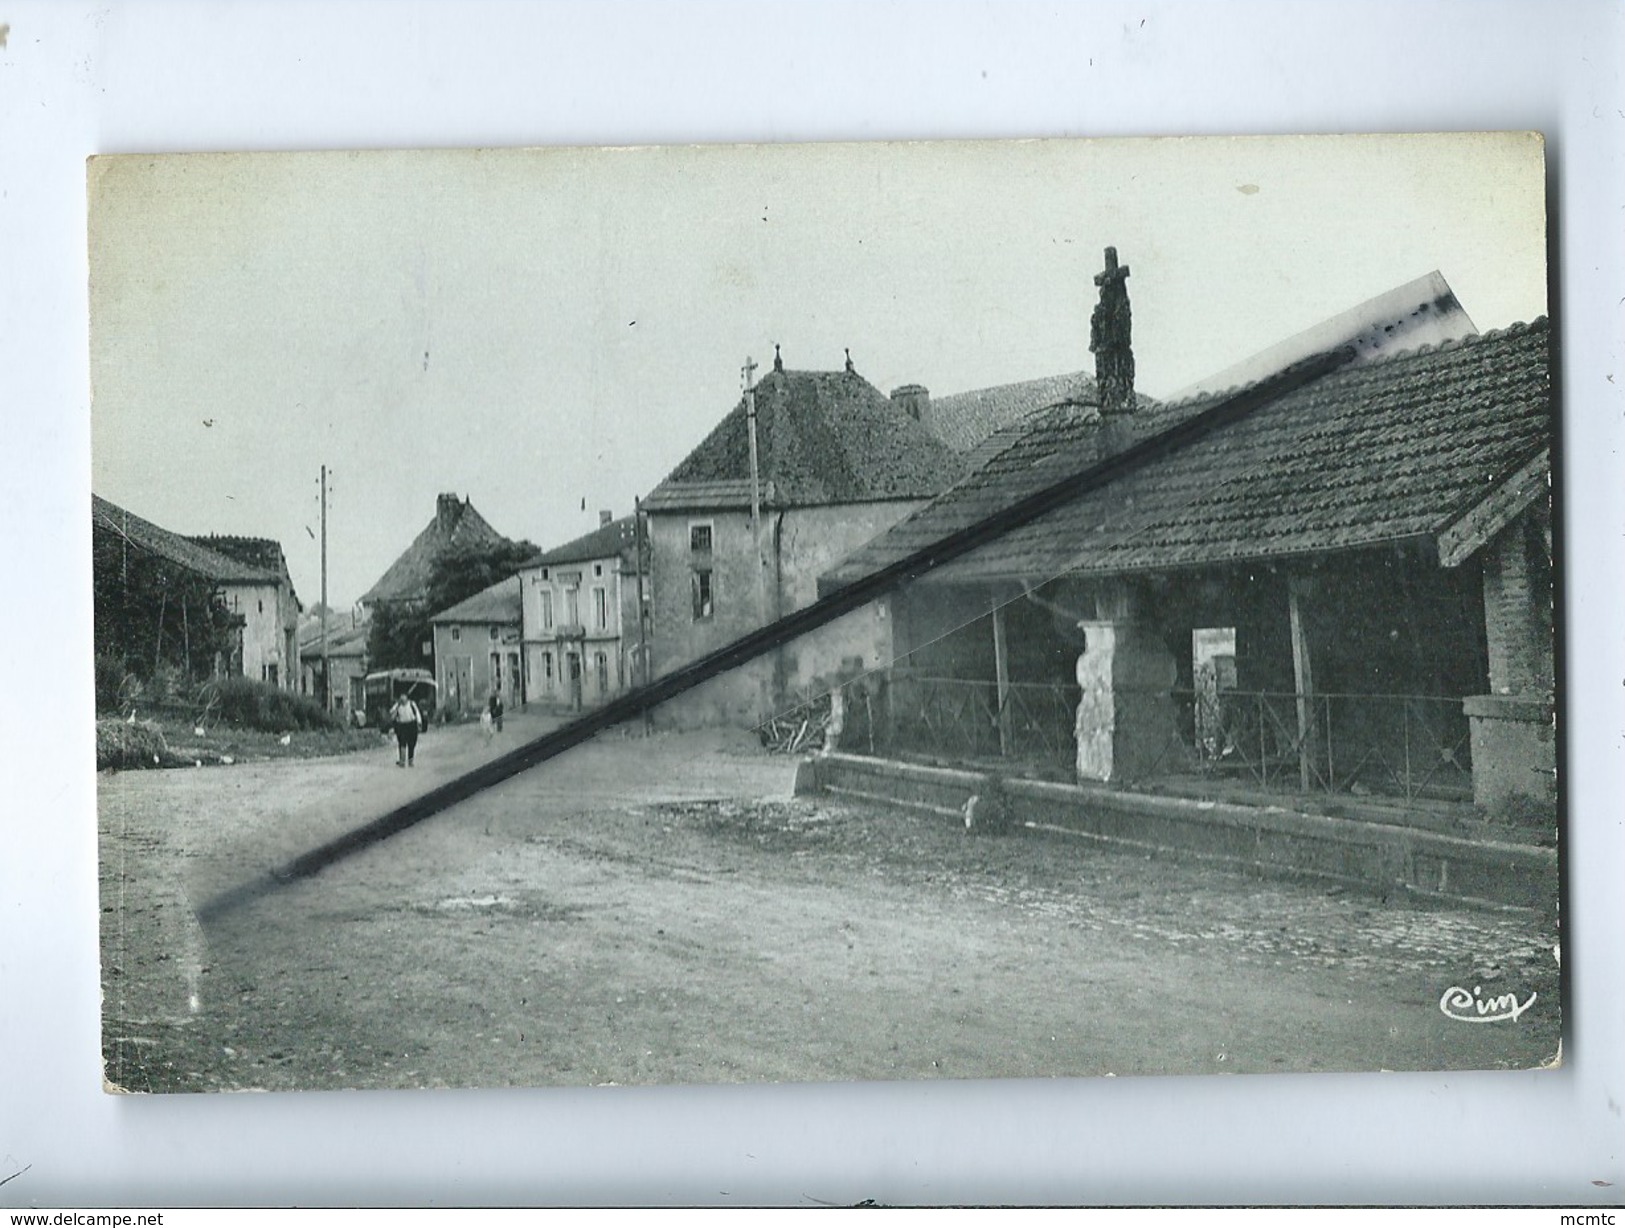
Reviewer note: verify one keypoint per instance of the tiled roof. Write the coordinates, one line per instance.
(455, 529)
(1394, 449)
(264, 553)
(1018, 460)
(341, 641)
(823, 437)
(963, 420)
(615, 539)
(497, 604)
(672, 496)
(258, 552)
(183, 551)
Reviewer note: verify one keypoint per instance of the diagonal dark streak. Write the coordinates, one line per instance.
(826, 609)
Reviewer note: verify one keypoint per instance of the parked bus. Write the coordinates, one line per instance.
(386, 686)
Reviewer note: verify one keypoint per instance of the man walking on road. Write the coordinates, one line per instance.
(407, 719)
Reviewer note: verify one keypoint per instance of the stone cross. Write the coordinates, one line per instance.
(1109, 339)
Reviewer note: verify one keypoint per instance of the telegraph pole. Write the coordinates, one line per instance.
(327, 672)
(749, 372)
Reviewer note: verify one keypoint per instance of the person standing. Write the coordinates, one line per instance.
(407, 721)
(495, 708)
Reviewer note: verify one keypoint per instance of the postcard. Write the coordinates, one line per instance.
(718, 614)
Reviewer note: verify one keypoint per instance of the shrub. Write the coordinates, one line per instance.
(250, 704)
(121, 744)
(114, 682)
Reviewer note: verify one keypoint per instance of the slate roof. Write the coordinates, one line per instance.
(497, 604)
(183, 551)
(823, 437)
(618, 538)
(455, 529)
(1395, 449)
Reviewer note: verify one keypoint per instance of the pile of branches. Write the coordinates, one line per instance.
(798, 730)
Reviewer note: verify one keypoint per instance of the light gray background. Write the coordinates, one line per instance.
(77, 79)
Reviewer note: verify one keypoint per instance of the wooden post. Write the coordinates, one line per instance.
(1001, 669)
(1303, 678)
(158, 644)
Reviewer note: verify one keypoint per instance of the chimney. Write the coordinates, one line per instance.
(912, 399)
(448, 510)
(605, 516)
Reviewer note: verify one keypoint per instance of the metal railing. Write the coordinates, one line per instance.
(963, 717)
(1409, 746)
(1397, 745)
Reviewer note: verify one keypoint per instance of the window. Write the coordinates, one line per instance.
(597, 569)
(494, 634)
(544, 573)
(572, 606)
(600, 609)
(547, 671)
(262, 605)
(456, 634)
(702, 594)
(602, 663)
(699, 537)
(547, 608)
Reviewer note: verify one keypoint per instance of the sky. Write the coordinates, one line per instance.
(549, 332)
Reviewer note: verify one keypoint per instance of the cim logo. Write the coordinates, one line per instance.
(1473, 1007)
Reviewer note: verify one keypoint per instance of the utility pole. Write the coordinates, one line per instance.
(749, 373)
(645, 650)
(762, 616)
(327, 674)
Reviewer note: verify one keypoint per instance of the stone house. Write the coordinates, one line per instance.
(1361, 556)
(157, 591)
(347, 659)
(477, 650)
(268, 605)
(580, 617)
(837, 462)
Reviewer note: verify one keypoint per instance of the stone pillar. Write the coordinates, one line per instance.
(1514, 742)
(1125, 716)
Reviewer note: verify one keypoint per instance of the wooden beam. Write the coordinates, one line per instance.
(1470, 532)
(1303, 678)
(1001, 670)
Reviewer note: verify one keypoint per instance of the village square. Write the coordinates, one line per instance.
(1121, 734)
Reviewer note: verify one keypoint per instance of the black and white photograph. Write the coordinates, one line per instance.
(728, 603)
(825, 613)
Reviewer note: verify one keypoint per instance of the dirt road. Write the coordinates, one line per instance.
(662, 911)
